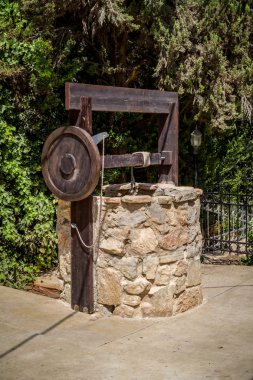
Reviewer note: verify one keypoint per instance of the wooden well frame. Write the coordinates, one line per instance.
(81, 100)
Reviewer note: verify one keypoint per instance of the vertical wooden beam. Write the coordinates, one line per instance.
(82, 293)
(81, 258)
(168, 141)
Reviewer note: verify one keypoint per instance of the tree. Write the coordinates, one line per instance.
(206, 55)
(31, 106)
(199, 48)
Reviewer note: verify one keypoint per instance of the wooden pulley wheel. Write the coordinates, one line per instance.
(70, 163)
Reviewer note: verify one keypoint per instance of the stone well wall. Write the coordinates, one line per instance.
(147, 263)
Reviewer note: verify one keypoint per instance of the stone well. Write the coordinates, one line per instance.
(147, 260)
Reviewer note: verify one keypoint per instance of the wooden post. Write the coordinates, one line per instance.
(82, 294)
(168, 141)
(115, 99)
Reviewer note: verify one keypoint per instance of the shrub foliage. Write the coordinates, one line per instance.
(201, 49)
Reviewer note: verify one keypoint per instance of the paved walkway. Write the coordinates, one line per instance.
(43, 339)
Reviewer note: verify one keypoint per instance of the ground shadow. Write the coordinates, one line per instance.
(37, 334)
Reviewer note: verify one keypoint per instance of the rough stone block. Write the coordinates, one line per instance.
(137, 199)
(139, 286)
(109, 220)
(112, 200)
(175, 238)
(181, 268)
(117, 233)
(187, 300)
(182, 195)
(49, 282)
(198, 192)
(64, 239)
(103, 260)
(65, 275)
(124, 311)
(129, 267)
(163, 229)
(143, 241)
(108, 286)
(149, 266)
(132, 219)
(193, 216)
(112, 246)
(193, 232)
(193, 273)
(66, 294)
(187, 215)
(192, 250)
(63, 212)
(131, 300)
(148, 186)
(114, 239)
(163, 275)
(64, 264)
(154, 289)
(157, 213)
(172, 257)
(116, 189)
(146, 309)
(179, 283)
(164, 200)
(172, 218)
(162, 302)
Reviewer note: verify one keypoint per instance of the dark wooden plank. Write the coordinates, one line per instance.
(133, 160)
(82, 297)
(84, 119)
(119, 99)
(81, 258)
(168, 140)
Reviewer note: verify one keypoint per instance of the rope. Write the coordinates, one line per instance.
(146, 159)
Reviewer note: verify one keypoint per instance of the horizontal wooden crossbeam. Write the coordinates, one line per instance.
(119, 99)
(136, 159)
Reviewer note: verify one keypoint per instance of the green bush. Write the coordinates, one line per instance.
(202, 49)
(32, 79)
(27, 229)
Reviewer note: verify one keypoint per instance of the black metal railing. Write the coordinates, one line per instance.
(227, 220)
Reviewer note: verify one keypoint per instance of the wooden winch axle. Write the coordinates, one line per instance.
(71, 162)
(137, 160)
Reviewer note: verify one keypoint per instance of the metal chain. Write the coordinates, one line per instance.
(97, 232)
(74, 226)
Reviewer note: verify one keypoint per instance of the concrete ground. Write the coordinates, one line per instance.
(43, 339)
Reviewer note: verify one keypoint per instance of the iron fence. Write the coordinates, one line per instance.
(227, 220)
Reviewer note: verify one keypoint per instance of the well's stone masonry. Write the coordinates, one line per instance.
(147, 263)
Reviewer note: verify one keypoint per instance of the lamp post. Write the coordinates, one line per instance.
(196, 136)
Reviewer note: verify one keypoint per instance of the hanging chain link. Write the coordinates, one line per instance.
(96, 233)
